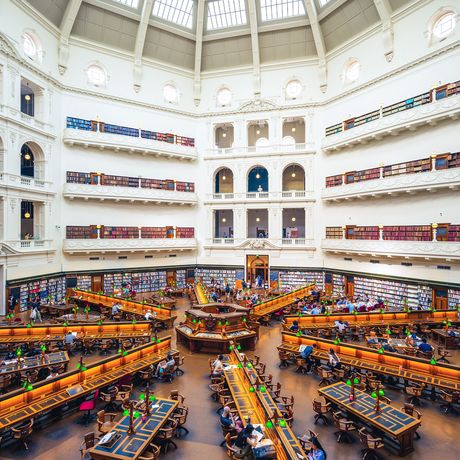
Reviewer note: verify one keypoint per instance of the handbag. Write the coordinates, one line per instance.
(265, 449)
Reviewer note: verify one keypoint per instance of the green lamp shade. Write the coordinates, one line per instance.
(349, 382)
(136, 414)
(374, 394)
(433, 361)
(269, 424)
(251, 389)
(29, 387)
(262, 389)
(381, 392)
(356, 380)
(120, 350)
(249, 365)
(298, 334)
(142, 396)
(238, 347)
(240, 365)
(230, 347)
(282, 423)
(381, 351)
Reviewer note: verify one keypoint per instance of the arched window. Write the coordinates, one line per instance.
(27, 161)
(170, 93)
(293, 178)
(351, 71)
(27, 220)
(96, 75)
(444, 24)
(223, 181)
(224, 97)
(31, 46)
(258, 179)
(293, 89)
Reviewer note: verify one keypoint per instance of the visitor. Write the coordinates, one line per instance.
(333, 360)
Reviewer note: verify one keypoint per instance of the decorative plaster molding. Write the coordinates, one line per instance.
(405, 183)
(26, 184)
(260, 197)
(131, 194)
(26, 246)
(414, 249)
(295, 244)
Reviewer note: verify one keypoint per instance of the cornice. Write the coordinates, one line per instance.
(31, 11)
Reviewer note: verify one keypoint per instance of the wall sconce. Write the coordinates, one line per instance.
(293, 129)
(293, 219)
(224, 219)
(257, 219)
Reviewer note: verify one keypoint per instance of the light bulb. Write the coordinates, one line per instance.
(224, 219)
(257, 176)
(27, 97)
(293, 219)
(224, 134)
(27, 156)
(293, 129)
(293, 174)
(224, 177)
(27, 215)
(258, 131)
(257, 219)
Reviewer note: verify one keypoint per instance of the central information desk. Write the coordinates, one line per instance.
(35, 362)
(271, 306)
(389, 422)
(307, 321)
(56, 333)
(200, 293)
(21, 405)
(130, 446)
(131, 307)
(259, 407)
(445, 376)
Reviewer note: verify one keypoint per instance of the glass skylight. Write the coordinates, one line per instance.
(323, 2)
(131, 3)
(271, 10)
(226, 13)
(178, 12)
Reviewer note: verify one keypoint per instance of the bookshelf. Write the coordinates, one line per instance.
(78, 178)
(78, 123)
(84, 282)
(334, 181)
(334, 129)
(409, 167)
(181, 278)
(425, 296)
(334, 233)
(447, 161)
(412, 102)
(453, 233)
(220, 275)
(453, 296)
(161, 137)
(117, 129)
(185, 232)
(153, 232)
(81, 232)
(185, 186)
(296, 278)
(119, 181)
(447, 90)
(361, 176)
(23, 297)
(338, 285)
(392, 292)
(108, 283)
(407, 233)
(362, 233)
(119, 232)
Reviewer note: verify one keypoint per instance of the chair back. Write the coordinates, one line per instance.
(363, 437)
(89, 440)
(23, 431)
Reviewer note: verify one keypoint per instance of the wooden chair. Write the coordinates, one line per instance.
(109, 398)
(344, 426)
(288, 416)
(326, 376)
(22, 433)
(427, 355)
(260, 368)
(88, 345)
(370, 444)
(409, 409)
(179, 363)
(415, 392)
(146, 377)
(266, 380)
(443, 355)
(301, 365)
(180, 416)
(176, 396)
(410, 351)
(166, 434)
(216, 385)
(151, 453)
(89, 441)
(167, 375)
(287, 403)
(305, 439)
(105, 421)
(124, 391)
(231, 451)
(284, 358)
(275, 391)
(5, 382)
(321, 407)
(105, 346)
(450, 398)
(225, 431)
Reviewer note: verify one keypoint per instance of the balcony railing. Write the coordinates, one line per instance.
(24, 182)
(28, 246)
(271, 149)
(301, 195)
(128, 232)
(261, 243)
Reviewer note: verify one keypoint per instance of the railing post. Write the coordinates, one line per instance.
(344, 228)
(139, 182)
(140, 231)
(98, 228)
(435, 231)
(381, 170)
(381, 111)
(433, 162)
(380, 232)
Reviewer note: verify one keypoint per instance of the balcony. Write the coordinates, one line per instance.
(118, 143)
(129, 194)
(255, 151)
(29, 184)
(388, 121)
(16, 116)
(427, 250)
(261, 243)
(27, 246)
(409, 184)
(141, 245)
(248, 197)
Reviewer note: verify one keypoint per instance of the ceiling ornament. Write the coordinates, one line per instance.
(257, 105)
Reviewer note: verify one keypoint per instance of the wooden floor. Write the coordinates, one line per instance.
(61, 441)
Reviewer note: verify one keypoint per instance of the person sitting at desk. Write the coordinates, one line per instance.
(149, 316)
(340, 326)
(53, 374)
(164, 365)
(317, 451)
(115, 309)
(425, 347)
(228, 421)
(218, 366)
(334, 360)
(316, 310)
(244, 443)
(69, 338)
(306, 355)
(294, 326)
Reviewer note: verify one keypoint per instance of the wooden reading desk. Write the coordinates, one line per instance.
(20, 405)
(443, 338)
(445, 376)
(56, 333)
(271, 306)
(35, 362)
(78, 318)
(200, 293)
(390, 422)
(127, 306)
(130, 447)
(307, 321)
(260, 407)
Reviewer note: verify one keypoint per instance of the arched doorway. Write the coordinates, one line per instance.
(27, 161)
(223, 181)
(257, 270)
(293, 178)
(258, 179)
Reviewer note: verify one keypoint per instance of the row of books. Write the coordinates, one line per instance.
(84, 282)
(408, 233)
(441, 92)
(92, 125)
(49, 288)
(126, 181)
(216, 275)
(442, 161)
(334, 233)
(338, 285)
(453, 296)
(297, 278)
(109, 232)
(362, 233)
(140, 282)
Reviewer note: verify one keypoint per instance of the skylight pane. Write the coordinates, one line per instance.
(225, 13)
(323, 2)
(130, 3)
(271, 10)
(178, 12)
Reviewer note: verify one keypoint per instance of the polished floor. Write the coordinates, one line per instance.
(440, 434)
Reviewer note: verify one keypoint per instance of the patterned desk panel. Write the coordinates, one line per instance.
(50, 359)
(130, 447)
(390, 420)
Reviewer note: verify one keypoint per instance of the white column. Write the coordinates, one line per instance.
(240, 223)
(309, 227)
(13, 94)
(2, 290)
(275, 132)
(309, 121)
(275, 224)
(12, 229)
